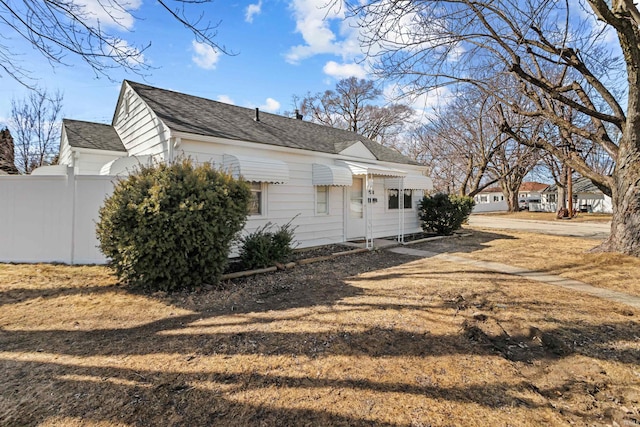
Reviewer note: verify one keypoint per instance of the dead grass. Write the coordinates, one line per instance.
(564, 256)
(551, 216)
(370, 339)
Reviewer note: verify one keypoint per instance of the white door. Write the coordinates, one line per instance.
(355, 210)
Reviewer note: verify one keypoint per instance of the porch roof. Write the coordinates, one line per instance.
(357, 168)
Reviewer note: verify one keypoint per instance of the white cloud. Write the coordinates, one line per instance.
(109, 14)
(226, 99)
(252, 10)
(343, 71)
(205, 56)
(270, 105)
(313, 22)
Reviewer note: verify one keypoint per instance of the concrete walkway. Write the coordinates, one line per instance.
(550, 279)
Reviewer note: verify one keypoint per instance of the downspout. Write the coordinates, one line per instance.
(174, 142)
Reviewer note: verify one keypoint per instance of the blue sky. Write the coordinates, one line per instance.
(282, 48)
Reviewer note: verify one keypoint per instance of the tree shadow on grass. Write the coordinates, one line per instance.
(80, 374)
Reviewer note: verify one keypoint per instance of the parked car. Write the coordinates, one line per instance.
(530, 204)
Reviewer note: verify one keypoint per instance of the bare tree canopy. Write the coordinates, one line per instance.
(35, 123)
(352, 106)
(575, 65)
(87, 30)
(466, 149)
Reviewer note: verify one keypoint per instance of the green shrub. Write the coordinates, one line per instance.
(170, 227)
(443, 213)
(264, 247)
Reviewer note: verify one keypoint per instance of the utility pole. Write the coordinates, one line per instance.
(570, 192)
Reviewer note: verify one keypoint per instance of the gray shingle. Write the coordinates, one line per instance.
(579, 185)
(200, 116)
(96, 136)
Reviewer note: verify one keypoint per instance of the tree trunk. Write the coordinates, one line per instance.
(511, 197)
(562, 188)
(625, 224)
(625, 194)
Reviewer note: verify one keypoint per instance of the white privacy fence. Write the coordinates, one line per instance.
(51, 218)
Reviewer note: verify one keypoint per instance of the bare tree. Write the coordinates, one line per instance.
(556, 55)
(60, 28)
(352, 106)
(35, 121)
(468, 151)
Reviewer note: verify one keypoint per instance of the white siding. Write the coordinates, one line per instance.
(297, 197)
(140, 130)
(284, 201)
(66, 157)
(91, 163)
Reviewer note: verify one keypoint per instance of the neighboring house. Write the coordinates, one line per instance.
(341, 185)
(586, 197)
(530, 195)
(491, 199)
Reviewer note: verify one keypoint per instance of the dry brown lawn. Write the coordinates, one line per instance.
(564, 256)
(551, 216)
(369, 339)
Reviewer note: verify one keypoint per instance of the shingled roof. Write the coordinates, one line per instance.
(201, 116)
(579, 185)
(91, 135)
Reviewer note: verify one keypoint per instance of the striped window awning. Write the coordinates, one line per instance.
(256, 169)
(411, 182)
(331, 175)
(371, 169)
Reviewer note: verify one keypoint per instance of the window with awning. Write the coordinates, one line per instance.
(256, 169)
(331, 175)
(409, 182)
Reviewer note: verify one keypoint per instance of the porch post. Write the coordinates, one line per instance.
(369, 211)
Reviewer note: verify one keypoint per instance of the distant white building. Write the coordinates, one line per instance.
(491, 199)
(586, 198)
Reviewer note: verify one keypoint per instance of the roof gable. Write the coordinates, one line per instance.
(96, 136)
(358, 149)
(201, 116)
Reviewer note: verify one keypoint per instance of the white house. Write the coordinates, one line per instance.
(586, 197)
(491, 199)
(339, 185)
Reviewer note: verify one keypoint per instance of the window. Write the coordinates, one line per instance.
(255, 204)
(498, 198)
(394, 199)
(484, 198)
(552, 198)
(356, 199)
(322, 199)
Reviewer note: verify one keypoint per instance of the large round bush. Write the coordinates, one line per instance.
(444, 213)
(170, 226)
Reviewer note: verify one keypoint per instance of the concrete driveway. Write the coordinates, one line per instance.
(592, 230)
